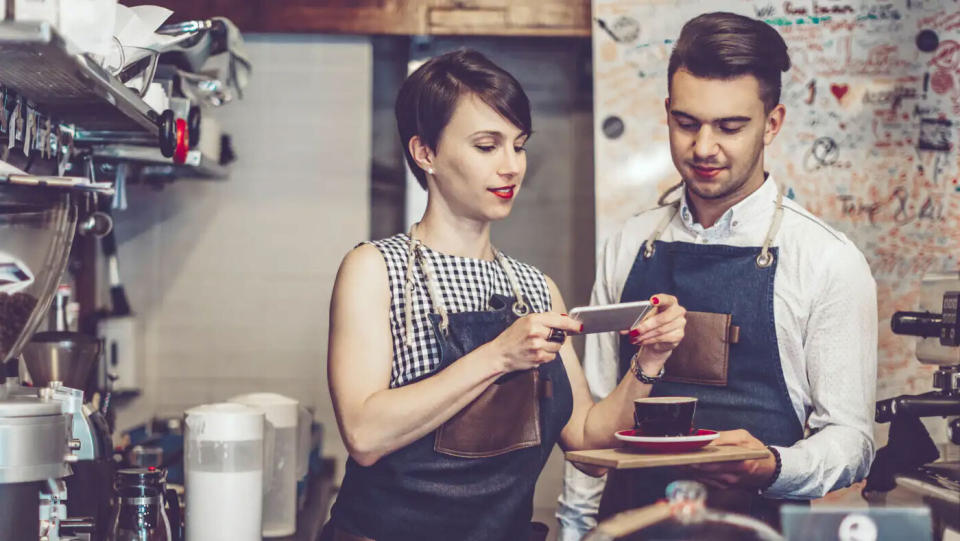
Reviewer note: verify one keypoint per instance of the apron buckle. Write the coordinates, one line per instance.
(764, 260)
(520, 308)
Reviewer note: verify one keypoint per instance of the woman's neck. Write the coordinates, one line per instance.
(454, 235)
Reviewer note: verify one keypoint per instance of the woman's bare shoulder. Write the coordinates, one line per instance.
(362, 268)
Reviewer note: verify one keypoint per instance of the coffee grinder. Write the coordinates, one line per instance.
(910, 459)
(44, 429)
(68, 358)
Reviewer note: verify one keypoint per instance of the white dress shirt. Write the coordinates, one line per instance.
(825, 310)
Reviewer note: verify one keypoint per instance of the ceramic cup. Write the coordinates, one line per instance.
(664, 415)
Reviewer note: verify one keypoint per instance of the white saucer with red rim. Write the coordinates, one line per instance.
(667, 444)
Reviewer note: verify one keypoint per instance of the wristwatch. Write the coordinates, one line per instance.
(643, 378)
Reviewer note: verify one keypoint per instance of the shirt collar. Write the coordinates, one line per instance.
(756, 206)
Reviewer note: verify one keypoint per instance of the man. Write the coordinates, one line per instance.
(781, 336)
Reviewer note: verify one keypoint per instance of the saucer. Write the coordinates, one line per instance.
(667, 444)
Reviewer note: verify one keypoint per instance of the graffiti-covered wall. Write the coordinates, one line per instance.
(869, 144)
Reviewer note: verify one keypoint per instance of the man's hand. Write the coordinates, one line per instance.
(754, 473)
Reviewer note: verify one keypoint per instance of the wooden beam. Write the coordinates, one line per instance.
(367, 17)
(398, 17)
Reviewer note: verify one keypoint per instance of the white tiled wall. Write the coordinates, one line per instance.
(230, 280)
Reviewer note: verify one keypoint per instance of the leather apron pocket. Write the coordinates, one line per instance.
(704, 353)
(504, 418)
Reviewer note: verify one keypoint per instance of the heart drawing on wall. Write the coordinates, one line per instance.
(839, 90)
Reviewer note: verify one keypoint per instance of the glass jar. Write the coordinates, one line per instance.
(139, 507)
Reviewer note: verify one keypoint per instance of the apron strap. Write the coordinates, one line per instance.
(520, 308)
(655, 236)
(764, 259)
(408, 294)
(416, 254)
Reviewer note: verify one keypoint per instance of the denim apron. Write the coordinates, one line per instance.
(716, 280)
(440, 488)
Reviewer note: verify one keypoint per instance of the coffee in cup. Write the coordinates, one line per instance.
(664, 415)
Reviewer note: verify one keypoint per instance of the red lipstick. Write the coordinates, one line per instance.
(503, 192)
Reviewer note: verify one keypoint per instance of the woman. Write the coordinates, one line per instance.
(443, 357)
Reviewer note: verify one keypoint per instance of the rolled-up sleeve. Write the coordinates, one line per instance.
(840, 349)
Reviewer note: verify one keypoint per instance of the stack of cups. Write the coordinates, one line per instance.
(284, 415)
(223, 462)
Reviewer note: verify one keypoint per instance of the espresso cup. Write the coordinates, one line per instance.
(664, 415)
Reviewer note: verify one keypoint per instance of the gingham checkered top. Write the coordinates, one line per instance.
(465, 284)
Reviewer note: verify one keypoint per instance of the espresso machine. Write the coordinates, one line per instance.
(912, 460)
(46, 430)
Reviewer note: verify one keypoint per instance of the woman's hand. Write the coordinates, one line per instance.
(592, 426)
(659, 333)
(524, 345)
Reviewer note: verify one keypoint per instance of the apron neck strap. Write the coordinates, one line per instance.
(764, 259)
(520, 307)
(655, 236)
(416, 253)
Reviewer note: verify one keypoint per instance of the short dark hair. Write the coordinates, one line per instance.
(428, 97)
(726, 45)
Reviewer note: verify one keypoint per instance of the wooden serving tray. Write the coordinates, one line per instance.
(625, 459)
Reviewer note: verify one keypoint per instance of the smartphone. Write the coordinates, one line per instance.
(611, 317)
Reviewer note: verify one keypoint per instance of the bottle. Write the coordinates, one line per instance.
(139, 507)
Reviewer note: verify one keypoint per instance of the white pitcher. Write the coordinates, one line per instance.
(224, 456)
(291, 431)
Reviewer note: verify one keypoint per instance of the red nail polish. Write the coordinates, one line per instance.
(563, 314)
(655, 301)
(635, 332)
(581, 327)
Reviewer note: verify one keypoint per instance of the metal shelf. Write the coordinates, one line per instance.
(40, 65)
(196, 164)
(78, 184)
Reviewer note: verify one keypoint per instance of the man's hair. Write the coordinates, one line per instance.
(726, 45)
(428, 97)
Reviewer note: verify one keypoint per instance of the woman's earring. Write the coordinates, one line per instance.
(430, 170)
